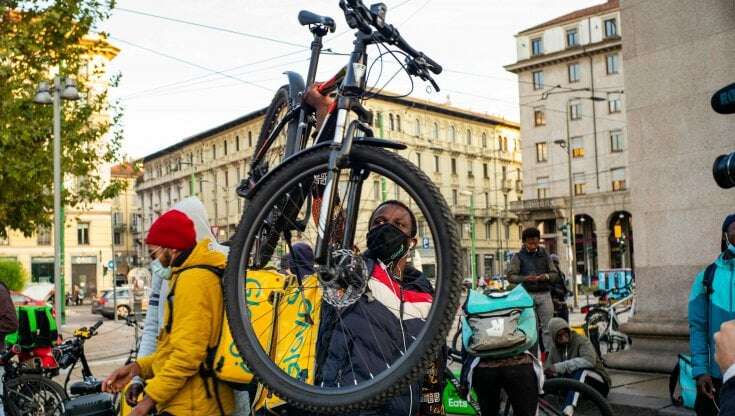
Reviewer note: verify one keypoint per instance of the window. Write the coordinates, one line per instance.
(418, 128)
(391, 123)
(452, 133)
(83, 233)
(250, 139)
(454, 166)
(542, 187)
(542, 152)
(539, 117)
(117, 238)
(616, 141)
(454, 197)
(579, 183)
(537, 46)
(572, 38)
(436, 131)
(225, 146)
(485, 173)
(613, 103)
(43, 236)
(469, 137)
(488, 230)
(538, 80)
(398, 123)
(484, 140)
(574, 72)
(227, 178)
(237, 143)
(611, 28)
(436, 163)
(376, 190)
(504, 174)
(470, 173)
(418, 160)
(214, 151)
(618, 179)
(487, 200)
(613, 64)
(577, 147)
(575, 110)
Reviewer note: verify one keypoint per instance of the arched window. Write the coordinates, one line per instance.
(392, 126)
(469, 137)
(398, 122)
(452, 133)
(418, 127)
(484, 140)
(436, 130)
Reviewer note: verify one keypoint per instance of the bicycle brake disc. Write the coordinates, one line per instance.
(345, 279)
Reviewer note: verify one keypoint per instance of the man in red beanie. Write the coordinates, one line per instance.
(193, 317)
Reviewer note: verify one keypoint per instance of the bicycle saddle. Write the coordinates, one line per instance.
(81, 388)
(309, 18)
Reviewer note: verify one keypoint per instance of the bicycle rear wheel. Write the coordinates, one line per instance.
(371, 374)
(33, 395)
(570, 397)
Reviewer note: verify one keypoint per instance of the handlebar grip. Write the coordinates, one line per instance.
(433, 66)
(96, 325)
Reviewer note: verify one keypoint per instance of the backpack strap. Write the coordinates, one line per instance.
(170, 297)
(673, 381)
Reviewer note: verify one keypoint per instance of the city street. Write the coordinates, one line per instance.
(107, 350)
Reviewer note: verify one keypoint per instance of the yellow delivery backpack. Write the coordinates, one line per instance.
(278, 312)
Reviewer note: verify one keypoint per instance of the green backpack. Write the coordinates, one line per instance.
(36, 327)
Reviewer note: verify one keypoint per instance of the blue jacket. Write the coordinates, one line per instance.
(721, 309)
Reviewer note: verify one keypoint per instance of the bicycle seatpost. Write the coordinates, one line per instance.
(316, 50)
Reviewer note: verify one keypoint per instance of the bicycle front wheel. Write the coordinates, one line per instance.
(34, 395)
(570, 397)
(379, 341)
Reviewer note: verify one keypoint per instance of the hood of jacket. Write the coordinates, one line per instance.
(556, 325)
(197, 213)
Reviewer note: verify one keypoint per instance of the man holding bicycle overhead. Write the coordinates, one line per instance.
(533, 268)
(711, 304)
(383, 322)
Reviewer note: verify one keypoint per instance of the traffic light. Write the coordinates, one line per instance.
(618, 230)
(565, 233)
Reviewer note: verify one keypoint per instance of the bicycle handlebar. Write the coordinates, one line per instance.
(96, 326)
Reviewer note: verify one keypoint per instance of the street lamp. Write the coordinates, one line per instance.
(473, 256)
(567, 144)
(45, 95)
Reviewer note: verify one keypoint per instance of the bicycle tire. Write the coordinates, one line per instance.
(439, 321)
(593, 318)
(558, 386)
(15, 408)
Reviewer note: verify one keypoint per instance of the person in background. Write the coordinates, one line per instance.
(8, 325)
(708, 309)
(560, 292)
(573, 356)
(532, 267)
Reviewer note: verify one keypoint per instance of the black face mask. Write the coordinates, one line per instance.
(387, 242)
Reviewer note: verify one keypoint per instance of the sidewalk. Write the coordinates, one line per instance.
(636, 393)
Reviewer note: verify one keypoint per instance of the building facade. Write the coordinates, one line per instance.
(675, 136)
(471, 157)
(123, 211)
(570, 73)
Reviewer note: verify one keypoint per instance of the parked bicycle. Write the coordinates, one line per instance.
(601, 321)
(315, 190)
(555, 399)
(26, 391)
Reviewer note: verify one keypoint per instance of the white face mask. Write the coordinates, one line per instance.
(159, 271)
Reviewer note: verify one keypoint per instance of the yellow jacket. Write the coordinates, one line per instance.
(172, 372)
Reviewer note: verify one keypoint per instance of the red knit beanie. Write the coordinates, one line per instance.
(174, 230)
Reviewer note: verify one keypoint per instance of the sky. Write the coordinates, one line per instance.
(179, 79)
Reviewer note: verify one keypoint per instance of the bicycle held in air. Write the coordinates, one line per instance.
(319, 186)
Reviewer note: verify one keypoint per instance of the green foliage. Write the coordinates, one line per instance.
(13, 275)
(36, 38)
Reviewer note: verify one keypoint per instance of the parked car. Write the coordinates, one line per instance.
(124, 303)
(99, 301)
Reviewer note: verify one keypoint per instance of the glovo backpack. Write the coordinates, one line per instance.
(295, 352)
(36, 327)
(498, 324)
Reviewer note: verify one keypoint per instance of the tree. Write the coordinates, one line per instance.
(12, 275)
(36, 38)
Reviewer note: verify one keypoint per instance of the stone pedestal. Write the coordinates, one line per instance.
(675, 55)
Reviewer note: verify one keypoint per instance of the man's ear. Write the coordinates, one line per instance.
(414, 242)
